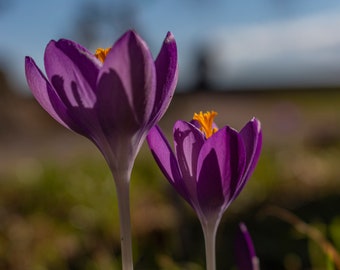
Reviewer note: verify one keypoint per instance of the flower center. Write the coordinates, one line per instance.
(206, 121)
(101, 54)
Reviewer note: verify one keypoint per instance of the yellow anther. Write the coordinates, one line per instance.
(101, 54)
(206, 121)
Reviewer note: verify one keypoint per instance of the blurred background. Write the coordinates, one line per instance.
(273, 59)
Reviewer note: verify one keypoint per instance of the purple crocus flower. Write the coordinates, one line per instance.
(244, 250)
(113, 97)
(209, 167)
(113, 103)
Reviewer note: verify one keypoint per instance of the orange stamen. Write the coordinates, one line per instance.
(101, 54)
(206, 121)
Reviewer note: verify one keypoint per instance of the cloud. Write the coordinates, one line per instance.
(283, 50)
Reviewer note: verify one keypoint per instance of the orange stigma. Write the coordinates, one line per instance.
(101, 54)
(206, 121)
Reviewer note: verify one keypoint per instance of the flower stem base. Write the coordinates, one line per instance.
(209, 231)
(123, 194)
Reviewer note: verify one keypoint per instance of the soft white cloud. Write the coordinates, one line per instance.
(280, 49)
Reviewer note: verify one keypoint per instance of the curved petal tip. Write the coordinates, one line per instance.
(169, 38)
(257, 123)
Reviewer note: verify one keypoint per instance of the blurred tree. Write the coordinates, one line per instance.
(6, 96)
(97, 20)
(203, 67)
(5, 88)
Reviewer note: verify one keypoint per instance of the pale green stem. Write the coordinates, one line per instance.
(209, 231)
(122, 181)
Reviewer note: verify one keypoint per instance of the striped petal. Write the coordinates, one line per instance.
(45, 94)
(72, 71)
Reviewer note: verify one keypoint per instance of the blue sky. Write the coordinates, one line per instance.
(252, 43)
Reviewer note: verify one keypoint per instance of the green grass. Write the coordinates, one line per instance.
(61, 213)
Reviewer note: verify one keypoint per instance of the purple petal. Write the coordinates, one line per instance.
(115, 113)
(166, 159)
(244, 250)
(188, 143)
(127, 82)
(167, 76)
(209, 187)
(73, 72)
(252, 138)
(220, 166)
(118, 122)
(45, 94)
